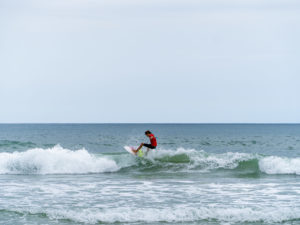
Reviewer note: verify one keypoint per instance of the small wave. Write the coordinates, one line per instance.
(56, 160)
(16, 144)
(201, 161)
(181, 214)
(189, 160)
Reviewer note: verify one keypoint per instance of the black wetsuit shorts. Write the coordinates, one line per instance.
(149, 146)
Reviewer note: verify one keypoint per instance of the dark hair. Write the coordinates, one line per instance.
(147, 132)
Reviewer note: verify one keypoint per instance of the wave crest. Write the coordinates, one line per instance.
(56, 160)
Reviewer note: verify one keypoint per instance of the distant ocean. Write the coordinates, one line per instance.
(200, 174)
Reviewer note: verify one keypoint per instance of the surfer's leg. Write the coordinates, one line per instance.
(141, 145)
(147, 151)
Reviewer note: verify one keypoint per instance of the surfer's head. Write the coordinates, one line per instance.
(147, 132)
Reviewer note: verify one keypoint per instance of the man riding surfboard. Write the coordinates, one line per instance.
(152, 145)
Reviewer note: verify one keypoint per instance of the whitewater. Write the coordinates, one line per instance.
(58, 160)
(200, 174)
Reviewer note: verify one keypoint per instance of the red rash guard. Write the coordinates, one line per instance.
(153, 140)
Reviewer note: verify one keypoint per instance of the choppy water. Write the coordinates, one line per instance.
(200, 174)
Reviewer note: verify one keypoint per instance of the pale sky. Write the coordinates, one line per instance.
(195, 61)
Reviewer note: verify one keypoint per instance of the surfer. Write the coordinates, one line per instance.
(152, 145)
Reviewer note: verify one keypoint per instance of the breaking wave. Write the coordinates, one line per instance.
(58, 160)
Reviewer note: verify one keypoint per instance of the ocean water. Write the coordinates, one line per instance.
(200, 174)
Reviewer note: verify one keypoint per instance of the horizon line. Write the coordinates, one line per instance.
(183, 123)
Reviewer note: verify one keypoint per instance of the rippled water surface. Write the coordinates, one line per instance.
(200, 174)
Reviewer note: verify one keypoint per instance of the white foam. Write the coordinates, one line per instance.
(178, 214)
(229, 160)
(280, 165)
(56, 160)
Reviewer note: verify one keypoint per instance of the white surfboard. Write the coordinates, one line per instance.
(129, 149)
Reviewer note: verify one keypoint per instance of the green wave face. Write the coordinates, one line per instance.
(227, 164)
(189, 161)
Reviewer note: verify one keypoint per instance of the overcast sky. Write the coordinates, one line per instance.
(206, 61)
